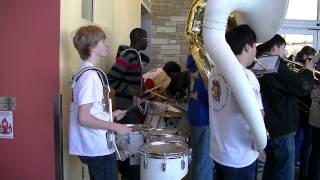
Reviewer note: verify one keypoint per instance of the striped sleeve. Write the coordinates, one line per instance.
(120, 75)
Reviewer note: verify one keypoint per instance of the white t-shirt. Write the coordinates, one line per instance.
(86, 141)
(230, 141)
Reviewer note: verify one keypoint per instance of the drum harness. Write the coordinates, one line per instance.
(137, 101)
(110, 135)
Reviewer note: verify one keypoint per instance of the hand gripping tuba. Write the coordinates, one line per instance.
(265, 17)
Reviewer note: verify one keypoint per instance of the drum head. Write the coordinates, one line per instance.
(166, 107)
(162, 132)
(139, 127)
(160, 149)
(169, 138)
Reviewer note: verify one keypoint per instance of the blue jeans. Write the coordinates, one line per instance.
(314, 164)
(298, 144)
(305, 151)
(201, 167)
(230, 173)
(280, 154)
(101, 167)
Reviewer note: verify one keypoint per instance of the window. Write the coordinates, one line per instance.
(302, 10)
(295, 42)
(301, 26)
(87, 11)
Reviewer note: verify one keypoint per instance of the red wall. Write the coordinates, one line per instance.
(29, 71)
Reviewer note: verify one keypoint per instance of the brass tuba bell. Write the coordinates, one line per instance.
(206, 28)
(195, 40)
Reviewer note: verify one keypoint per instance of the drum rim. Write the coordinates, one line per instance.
(173, 155)
(161, 156)
(155, 130)
(179, 139)
(142, 128)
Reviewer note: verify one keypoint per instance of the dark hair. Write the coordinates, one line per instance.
(276, 40)
(137, 34)
(239, 36)
(171, 67)
(306, 50)
(179, 85)
(260, 50)
(87, 37)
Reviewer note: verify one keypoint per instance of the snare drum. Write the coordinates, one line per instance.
(154, 133)
(173, 138)
(156, 107)
(160, 107)
(162, 131)
(163, 160)
(133, 141)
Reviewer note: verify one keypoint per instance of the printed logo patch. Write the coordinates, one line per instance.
(219, 92)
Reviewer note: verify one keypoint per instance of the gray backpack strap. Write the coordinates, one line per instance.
(101, 74)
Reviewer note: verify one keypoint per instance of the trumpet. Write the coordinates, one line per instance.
(262, 67)
(297, 67)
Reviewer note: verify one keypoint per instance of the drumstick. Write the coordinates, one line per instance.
(112, 132)
(116, 148)
(135, 105)
(156, 87)
(158, 95)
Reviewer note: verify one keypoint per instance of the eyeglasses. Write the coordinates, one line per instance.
(147, 38)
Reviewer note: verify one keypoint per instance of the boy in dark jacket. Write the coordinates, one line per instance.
(280, 92)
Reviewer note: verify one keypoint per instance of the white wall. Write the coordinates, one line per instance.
(117, 18)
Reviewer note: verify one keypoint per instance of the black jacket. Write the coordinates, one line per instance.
(304, 108)
(280, 92)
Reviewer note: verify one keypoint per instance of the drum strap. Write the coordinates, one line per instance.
(110, 136)
(101, 74)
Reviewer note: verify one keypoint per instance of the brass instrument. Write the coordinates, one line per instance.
(297, 66)
(195, 41)
(292, 65)
(206, 26)
(195, 38)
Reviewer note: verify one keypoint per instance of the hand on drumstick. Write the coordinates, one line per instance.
(122, 129)
(119, 114)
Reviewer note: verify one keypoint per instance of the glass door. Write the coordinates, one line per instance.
(298, 38)
(301, 26)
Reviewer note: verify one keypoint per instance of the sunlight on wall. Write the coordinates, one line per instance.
(117, 18)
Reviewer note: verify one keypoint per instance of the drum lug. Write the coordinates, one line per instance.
(183, 164)
(145, 163)
(128, 140)
(164, 164)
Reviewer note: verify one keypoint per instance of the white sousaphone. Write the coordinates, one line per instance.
(265, 17)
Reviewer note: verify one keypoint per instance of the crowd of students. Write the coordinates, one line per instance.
(217, 122)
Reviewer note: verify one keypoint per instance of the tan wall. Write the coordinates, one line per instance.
(168, 28)
(117, 18)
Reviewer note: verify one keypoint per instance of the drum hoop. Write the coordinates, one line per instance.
(162, 156)
(162, 132)
(139, 128)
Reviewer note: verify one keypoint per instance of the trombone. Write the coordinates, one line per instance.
(296, 67)
(292, 65)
